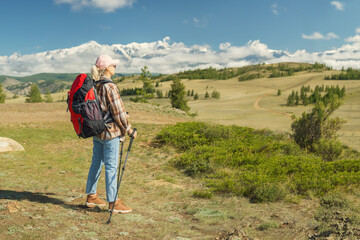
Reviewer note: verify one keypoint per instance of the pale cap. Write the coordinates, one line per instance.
(103, 61)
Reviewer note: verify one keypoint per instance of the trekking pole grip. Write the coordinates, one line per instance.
(133, 132)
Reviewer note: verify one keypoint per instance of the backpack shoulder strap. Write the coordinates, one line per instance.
(103, 81)
(107, 117)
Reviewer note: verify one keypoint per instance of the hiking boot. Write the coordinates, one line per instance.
(119, 207)
(93, 200)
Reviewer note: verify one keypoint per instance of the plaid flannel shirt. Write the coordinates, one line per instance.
(110, 99)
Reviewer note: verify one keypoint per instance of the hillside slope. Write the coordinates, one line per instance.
(47, 200)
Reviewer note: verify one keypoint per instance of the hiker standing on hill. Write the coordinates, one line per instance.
(106, 144)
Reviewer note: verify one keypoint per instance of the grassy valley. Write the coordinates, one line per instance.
(230, 172)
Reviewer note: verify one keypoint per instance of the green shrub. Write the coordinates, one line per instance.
(311, 127)
(202, 194)
(260, 165)
(329, 150)
(215, 94)
(334, 200)
(268, 193)
(267, 225)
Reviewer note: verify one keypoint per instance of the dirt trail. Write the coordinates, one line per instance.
(257, 106)
(258, 100)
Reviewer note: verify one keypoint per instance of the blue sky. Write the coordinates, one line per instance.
(28, 27)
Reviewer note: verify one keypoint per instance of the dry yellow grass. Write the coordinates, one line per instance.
(254, 103)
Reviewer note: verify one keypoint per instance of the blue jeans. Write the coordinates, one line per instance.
(104, 152)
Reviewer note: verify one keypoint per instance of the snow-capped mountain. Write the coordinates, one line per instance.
(166, 57)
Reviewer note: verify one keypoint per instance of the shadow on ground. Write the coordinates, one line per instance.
(40, 198)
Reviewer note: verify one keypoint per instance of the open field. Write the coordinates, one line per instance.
(42, 189)
(255, 104)
(248, 103)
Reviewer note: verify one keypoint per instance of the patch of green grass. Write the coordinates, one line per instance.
(261, 165)
(334, 200)
(202, 194)
(267, 225)
(165, 178)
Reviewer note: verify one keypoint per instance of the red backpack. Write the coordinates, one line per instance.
(84, 106)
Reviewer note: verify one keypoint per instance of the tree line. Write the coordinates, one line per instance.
(245, 73)
(311, 96)
(348, 74)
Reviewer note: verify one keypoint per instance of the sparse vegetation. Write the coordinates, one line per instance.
(317, 190)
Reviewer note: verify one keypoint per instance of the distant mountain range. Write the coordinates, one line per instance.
(161, 56)
(165, 56)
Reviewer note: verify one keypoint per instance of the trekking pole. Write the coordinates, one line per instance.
(122, 173)
(120, 161)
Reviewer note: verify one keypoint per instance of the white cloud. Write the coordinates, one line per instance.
(105, 5)
(274, 8)
(314, 36)
(338, 5)
(199, 23)
(165, 56)
(319, 36)
(355, 38)
(331, 35)
(224, 46)
(357, 30)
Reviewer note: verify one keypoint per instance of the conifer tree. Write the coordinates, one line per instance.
(48, 97)
(177, 95)
(297, 98)
(34, 94)
(196, 96)
(207, 95)
(148, 87)
(2, 95)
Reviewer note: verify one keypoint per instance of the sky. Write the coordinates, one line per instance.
(315, 26)
(40, 25)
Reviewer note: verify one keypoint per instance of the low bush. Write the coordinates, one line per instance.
(329, 150)
(267, 225)
(260, 165)
(202, 194)
(334, 200)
